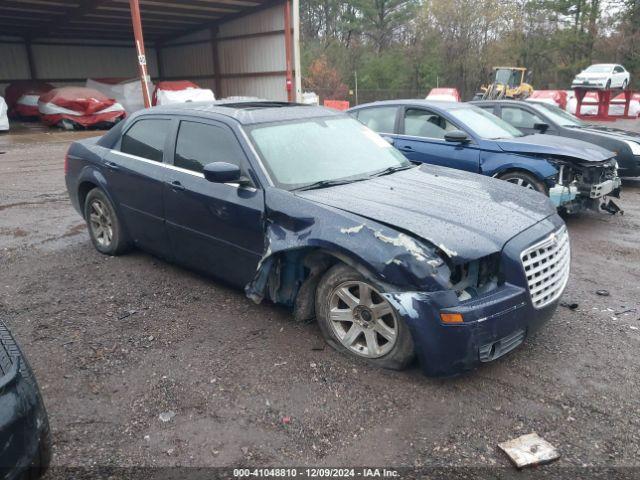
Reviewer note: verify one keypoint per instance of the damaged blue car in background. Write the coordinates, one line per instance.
(307, 207)
(576, 175)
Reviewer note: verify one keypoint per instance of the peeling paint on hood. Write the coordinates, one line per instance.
(351, 230)
(467, 216)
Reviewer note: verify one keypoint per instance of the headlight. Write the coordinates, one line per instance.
(476, 277)
(635, 147)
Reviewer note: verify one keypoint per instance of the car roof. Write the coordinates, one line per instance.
(444, 104)
(501, 102)
(602, 65)
(245, 112)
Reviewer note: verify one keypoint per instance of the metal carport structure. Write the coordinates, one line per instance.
(235, 47)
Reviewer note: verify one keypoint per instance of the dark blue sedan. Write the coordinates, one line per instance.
(573, 173)
(308, 208)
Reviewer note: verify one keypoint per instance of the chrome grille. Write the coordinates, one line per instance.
(546, 265)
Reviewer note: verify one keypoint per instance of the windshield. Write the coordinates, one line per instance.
(485, 124)
(558, 115)
(303, 152)
(508, 77)
(599, 69)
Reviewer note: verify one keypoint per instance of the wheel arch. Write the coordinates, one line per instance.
(518, 170)
(297, 273)
(90, 178)
(83, 190)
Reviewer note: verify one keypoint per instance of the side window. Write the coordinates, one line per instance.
(520, 118)
(146, 138)
(618, 69)
(422, 123)
(381, 120)
(199, 144)
(487, 108)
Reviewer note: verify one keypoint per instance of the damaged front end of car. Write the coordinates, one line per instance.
(585, 185)
(460, 311)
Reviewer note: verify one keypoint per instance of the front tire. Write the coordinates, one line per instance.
(356, 319)
(105, 228)
(608, 85)
(526, 180)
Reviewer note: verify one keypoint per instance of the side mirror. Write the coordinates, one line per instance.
(541, 127)
(222, 172)
(456, 136)
(389, 140)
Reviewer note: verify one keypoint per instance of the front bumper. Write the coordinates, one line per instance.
(629, 166)
(494, 324)
(589, 83)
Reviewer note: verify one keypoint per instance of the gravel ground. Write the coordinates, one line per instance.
(118, 343)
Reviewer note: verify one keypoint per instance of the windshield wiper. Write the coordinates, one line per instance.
(389, 170)
(327, 183)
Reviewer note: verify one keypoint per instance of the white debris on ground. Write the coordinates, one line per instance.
(167, 416)
(529, 450)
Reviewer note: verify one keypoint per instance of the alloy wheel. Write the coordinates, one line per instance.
(362, 319)
(101, 223)
(521, 182)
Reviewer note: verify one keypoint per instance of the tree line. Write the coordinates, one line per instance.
(401, 48)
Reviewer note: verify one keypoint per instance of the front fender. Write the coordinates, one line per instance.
(296, 226)
(495, 163)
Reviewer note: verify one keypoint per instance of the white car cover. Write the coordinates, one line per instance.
(167, 97)
(4, 119)
(127, 93)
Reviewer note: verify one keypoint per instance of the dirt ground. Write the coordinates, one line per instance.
(116, 342)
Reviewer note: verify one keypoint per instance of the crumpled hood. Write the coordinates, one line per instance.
(468, 216)
(552, 145)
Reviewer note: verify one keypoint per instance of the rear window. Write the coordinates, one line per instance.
(378, 119)
(146, 138)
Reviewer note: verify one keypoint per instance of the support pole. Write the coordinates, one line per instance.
(297, 71)
(287, 48)
(142, 59)
(217, 79)
(33, 72)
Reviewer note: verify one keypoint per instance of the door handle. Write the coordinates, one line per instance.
(176, 185)
(406, 148)
(112, 165)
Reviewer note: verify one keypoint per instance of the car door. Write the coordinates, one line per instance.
(619, 76)
(216, 228)
(521, 118)
(422, 140)
(135, 173)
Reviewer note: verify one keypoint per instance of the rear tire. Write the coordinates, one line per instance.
(355, 319)
(624, 84)
(526, 180)
(105, 228)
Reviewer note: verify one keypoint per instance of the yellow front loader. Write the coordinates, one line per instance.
(508, 82)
